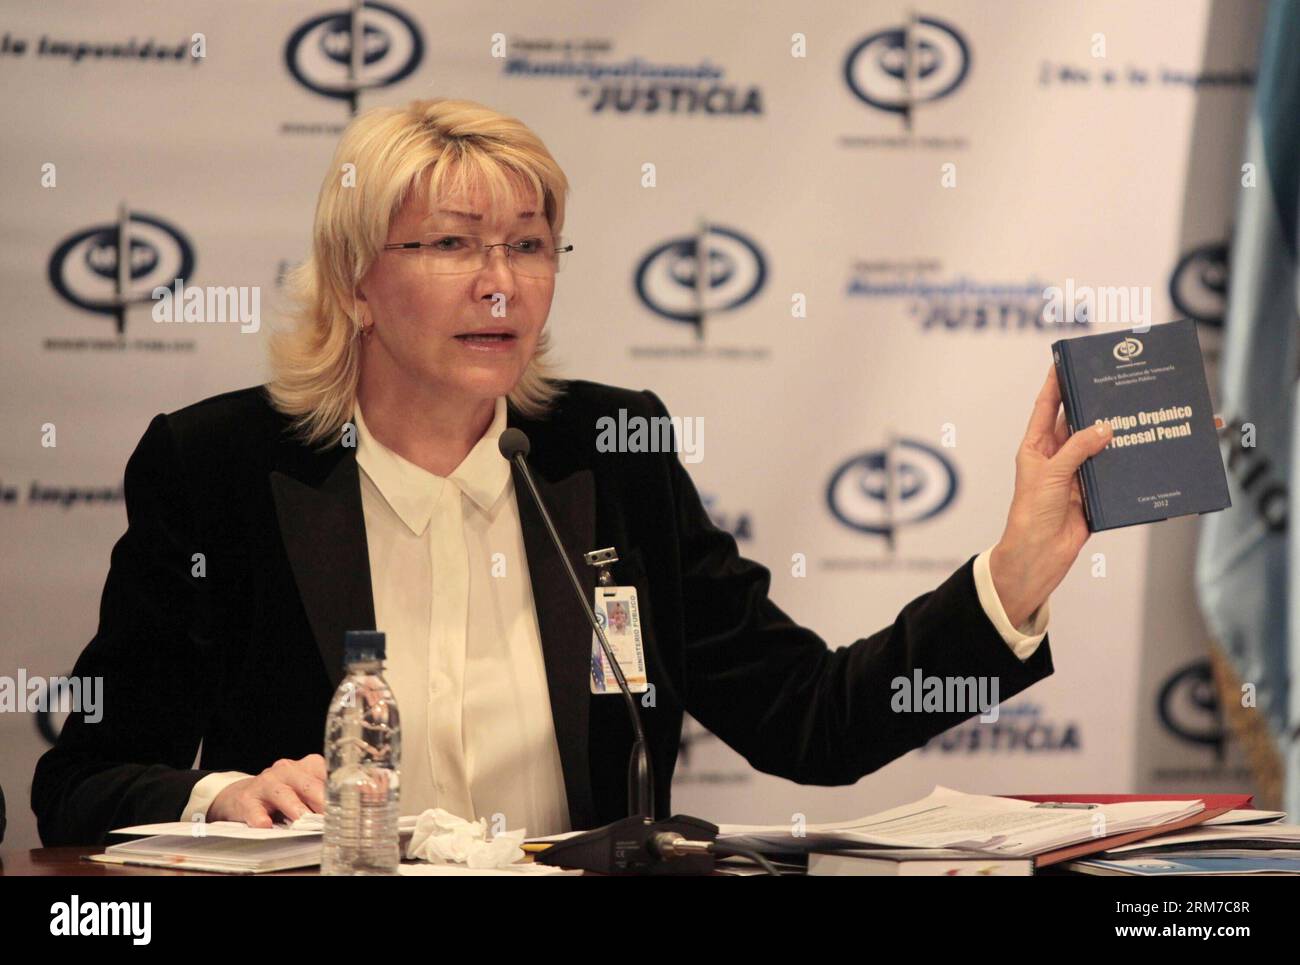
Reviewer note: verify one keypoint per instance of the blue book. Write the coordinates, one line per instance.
(1163, 459)
(1155, 866)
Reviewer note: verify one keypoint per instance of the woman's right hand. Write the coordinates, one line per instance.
(289, 788)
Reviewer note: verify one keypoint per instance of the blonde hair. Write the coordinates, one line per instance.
(315, 364)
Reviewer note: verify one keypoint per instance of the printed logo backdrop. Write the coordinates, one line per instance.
(840, 267)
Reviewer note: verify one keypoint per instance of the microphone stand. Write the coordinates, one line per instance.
(636, 844)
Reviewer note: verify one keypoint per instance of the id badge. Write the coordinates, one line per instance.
(618, 614)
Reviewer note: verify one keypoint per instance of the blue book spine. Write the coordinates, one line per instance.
(1087, 481)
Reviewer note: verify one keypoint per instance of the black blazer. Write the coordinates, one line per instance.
(245, 657)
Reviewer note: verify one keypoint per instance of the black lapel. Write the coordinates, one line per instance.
(570, 497)
(324, 533)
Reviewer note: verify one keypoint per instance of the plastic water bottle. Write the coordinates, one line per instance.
(362, 758)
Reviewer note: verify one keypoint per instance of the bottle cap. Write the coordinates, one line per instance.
(363, 645)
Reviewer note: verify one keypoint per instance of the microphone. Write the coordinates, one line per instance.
(514, 446)
(636, 844)
(513, 442)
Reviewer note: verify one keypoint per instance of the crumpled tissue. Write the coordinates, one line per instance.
(442, 838)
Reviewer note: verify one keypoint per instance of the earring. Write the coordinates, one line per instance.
(364, 328)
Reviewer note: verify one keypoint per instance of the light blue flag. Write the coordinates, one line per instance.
(1247, 564)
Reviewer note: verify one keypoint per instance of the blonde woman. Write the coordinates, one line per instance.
(363, 488)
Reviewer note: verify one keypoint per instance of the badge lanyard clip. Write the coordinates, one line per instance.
(601, 559)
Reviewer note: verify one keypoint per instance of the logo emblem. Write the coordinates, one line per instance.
(1127, 349)
(881, 490)
(900, 68)
(1188, 705)
(689, 278)
(338, 55)
(90, 271)
(1198, 286)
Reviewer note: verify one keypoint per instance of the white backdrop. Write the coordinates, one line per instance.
(1093, 142)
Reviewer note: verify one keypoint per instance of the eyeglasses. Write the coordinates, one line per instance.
(455, 254)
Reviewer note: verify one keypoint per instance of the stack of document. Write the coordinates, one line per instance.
(226, 846)
(919, 863)
(968, 822)
(1240, 842)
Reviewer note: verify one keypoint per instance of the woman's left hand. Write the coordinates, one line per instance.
(1045, 527)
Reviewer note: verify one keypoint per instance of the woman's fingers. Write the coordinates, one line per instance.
(1087, 442)
(1062, 433)
(286, 800)
(287, 788)
(1042, 421)
(252, 811)
(314, 765)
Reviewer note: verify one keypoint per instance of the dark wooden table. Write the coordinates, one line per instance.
(56, 862)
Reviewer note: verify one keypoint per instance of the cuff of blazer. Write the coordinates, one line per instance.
(1016, 673)
(206, 791)
(1022, 640)
(980, 650)
(89, 815)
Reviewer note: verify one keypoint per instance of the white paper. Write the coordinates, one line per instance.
(217, 829)
(521, 870)
(306, 826)
(1280, 833)
(1246, 816)
(952, 819)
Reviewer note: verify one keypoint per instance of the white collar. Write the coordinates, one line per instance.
(412, 492)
